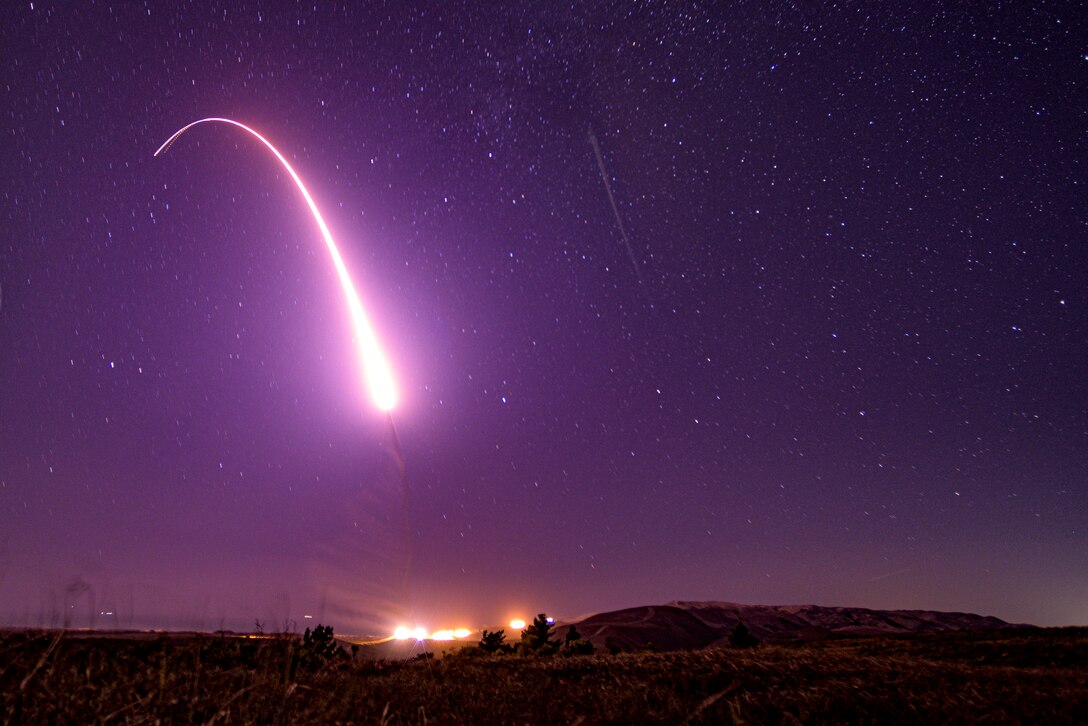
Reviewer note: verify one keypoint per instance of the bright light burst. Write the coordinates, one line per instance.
(517, 624)
(403, 632)
(376, 370)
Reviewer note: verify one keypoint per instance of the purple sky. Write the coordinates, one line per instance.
(854, 371)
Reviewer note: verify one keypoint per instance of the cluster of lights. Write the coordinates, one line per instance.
(406, 633)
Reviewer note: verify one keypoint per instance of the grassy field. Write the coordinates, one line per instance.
(1038, 676)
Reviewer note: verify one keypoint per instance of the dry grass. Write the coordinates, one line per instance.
(1009, 676)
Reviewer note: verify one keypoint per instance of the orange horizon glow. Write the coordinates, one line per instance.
(403, 632)
(376, 370)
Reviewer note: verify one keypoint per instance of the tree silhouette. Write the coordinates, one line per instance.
(319, 647)
(493, 642)
(536, 638)
(320, 640)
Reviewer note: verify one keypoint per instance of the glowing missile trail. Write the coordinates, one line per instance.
(376, 371)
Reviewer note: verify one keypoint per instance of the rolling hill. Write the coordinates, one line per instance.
(682, 625)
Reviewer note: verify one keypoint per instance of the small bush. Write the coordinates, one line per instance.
(573, 644)
(319, 648)
(493, 642)
(741, 637)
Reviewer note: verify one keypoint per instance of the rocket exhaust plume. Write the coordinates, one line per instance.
(376, 370)
(405, 513)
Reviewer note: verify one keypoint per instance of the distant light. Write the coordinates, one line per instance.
(403, 632)
(308, 617)
(551, 621)
(517, 624)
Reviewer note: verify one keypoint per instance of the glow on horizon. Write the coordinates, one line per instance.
(403, 632)
(376, 371)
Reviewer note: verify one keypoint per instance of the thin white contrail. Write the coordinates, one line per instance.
(612, 201)
(376, 370)
(892, 574)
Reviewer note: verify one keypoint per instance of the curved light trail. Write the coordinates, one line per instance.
(376, 370)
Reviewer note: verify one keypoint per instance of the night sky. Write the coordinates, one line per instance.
(847, 367)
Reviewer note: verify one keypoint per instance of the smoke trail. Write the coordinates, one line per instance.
(405, 511)
(612, 201)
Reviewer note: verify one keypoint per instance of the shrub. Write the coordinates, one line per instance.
(741, 637)
(493, 642)
(573, 644)
(319, 647)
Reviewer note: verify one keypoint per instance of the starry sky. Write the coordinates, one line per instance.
(844, 362)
